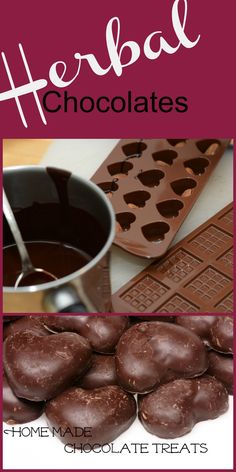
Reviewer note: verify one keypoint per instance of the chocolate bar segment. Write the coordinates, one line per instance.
(196, 275)
(152, 185)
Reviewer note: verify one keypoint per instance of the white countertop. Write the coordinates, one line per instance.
(84, 156)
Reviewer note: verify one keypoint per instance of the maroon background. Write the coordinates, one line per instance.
(51, 31)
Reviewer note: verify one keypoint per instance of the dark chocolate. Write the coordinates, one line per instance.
(29, 323)
(173, 409)
(151, 353)
(101, 373)
(106, 411)
(40, 367)
(216, 331)
(103, 332)
(16, 410)
(221, 367)
(52, 223)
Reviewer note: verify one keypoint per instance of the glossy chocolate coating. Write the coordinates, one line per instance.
(8, 319)
(53, 222)
(216, 331)
(221, 367)
(222, 333)
(164, 318)
(173, 409)
(108, 411)
(40, 367)
(151, 353)
(29, 323)
(101, 373)
(16, 410)
(54, 257)
(103, 332)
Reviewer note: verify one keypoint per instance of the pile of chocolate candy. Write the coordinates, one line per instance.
(84, 371)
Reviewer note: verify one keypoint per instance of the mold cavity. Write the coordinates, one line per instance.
(170, 208)
(208, 146)
(151, 178)
(108, 187)
(183, 187)
(155, 232)
(119, 170)
(178, 143)
(134, 149)
(136, 199)
(124, 221)
(196, 166)
(164, 158)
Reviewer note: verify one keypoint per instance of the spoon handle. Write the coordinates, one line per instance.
(7, 210)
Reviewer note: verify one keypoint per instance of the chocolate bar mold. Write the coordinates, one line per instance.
(157, 181)
(196, 275)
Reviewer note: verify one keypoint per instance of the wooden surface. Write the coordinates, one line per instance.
(18, 152)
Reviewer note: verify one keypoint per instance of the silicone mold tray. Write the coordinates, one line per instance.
(153, 184)
(194, 276)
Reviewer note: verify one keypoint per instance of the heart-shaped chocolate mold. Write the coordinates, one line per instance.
(105, 412)
(136, 199)
(183, 187)
(178, 143)
(16, 410)
(151, 178)
(170, 208)
(120, 170)
(155, 232)
(134, 149)
(196, 166)
(40, 367)
(165, 157)
(108, 187)
(124, 221)
(208, 146)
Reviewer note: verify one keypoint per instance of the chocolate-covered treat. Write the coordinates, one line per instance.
(101, 373)
(40, 367)
(152, 185)
(216, 331)
(106, 412)
(29, 323)
(167, 319)
(151, 353)
(173, 409)
(221, 367)
(103, 332)
(16, 410)
(222, 335)
(8, 319)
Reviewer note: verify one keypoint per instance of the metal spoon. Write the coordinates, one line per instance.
(36, 275)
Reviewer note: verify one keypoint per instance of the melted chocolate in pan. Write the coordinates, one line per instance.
(60, 238)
